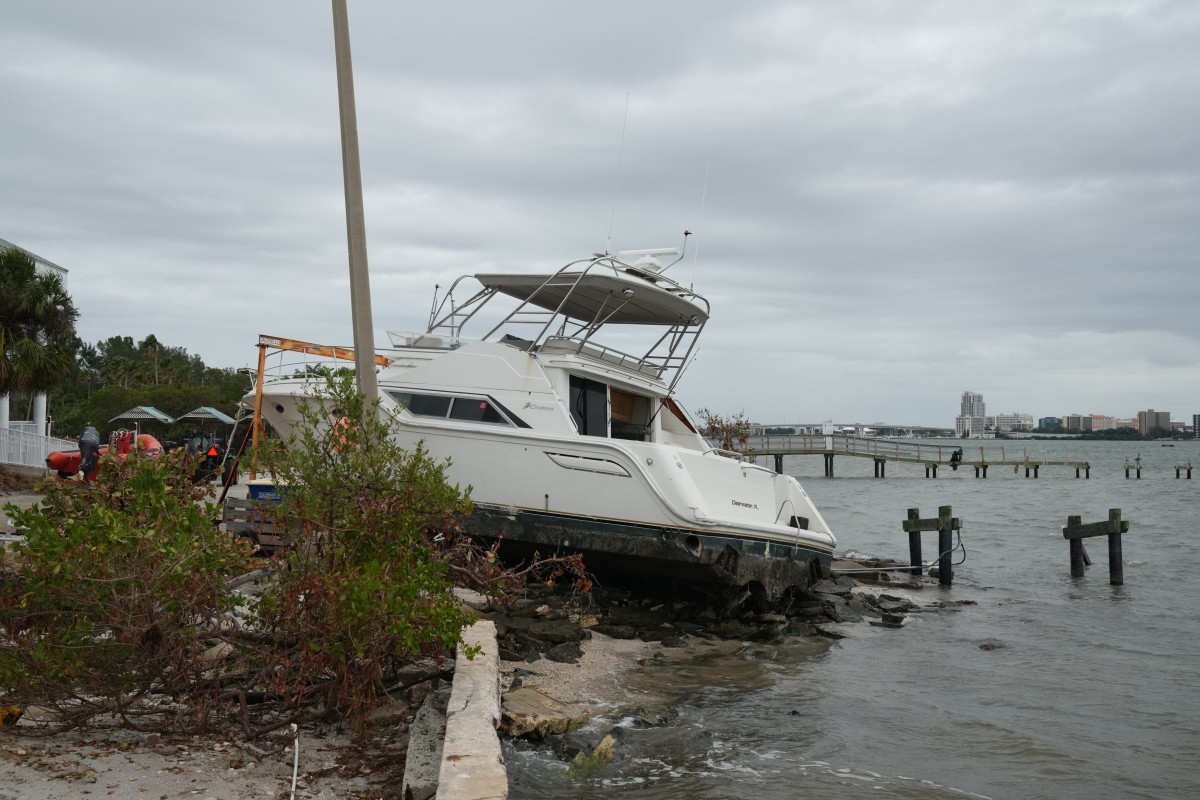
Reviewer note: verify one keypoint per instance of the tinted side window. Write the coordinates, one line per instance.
(474, 410)
(425, 405)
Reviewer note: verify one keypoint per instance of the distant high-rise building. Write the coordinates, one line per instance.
(1012, 422)
(1196, 425)
(1150, 420)
(972, 417)
(972, 405)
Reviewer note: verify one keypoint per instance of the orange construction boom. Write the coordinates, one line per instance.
(296, 345)
(313, 349)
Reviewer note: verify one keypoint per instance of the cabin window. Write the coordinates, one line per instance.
(474, 410)
(427, 404)
(589, 406)
(467, 409)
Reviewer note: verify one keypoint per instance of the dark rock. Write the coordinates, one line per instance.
(804, 608)
(895, 606)
(640, 618)
(737, 632)
(764, 634)
(617, 631)
(509, 655)
(656, 634)
(607, 595)
(566, 653)
(656, 660)
(797, 628)
(674, 641)
(547, 630)
(524, 607)
(991, 644)
(836, 586)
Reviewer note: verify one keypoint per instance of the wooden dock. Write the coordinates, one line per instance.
(907, 451)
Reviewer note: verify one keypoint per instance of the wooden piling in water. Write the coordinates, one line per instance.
(1076, 545)
(914, 544)
(945, 524)
(1181, 467)
(1076, 532)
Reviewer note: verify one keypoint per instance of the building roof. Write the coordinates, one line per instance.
(41, 262)
(144, 413)
(208, 413)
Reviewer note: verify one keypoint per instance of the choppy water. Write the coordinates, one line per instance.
(1094, 694)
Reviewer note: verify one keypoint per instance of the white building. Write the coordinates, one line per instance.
(38, 423)
(1012, 422)
(972, 418)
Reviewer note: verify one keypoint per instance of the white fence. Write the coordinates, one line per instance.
(29, 449)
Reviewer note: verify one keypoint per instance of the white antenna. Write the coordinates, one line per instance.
(700, 222)
(617, 178)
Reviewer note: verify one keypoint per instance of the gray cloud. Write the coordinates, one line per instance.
(892, 202)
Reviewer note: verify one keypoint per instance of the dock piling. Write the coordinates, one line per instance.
(945, 524)
(1135, 465)
(1075, 532)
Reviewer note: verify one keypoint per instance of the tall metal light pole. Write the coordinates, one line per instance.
(356, 228)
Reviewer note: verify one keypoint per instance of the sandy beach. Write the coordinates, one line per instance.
(114, 763)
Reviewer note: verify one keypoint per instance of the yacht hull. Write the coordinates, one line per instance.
(654, 555)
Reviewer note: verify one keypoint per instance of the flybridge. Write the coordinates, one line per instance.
(571, 306)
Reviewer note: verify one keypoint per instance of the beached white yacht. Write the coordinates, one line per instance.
(573, 445)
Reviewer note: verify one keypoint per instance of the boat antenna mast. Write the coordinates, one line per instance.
(617, 179)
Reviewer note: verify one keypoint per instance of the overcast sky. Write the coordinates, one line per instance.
(892, 202)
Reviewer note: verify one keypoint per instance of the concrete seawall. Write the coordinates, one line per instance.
(472, 765)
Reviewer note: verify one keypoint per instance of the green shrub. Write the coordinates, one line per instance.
(115, 593)
(365, 588)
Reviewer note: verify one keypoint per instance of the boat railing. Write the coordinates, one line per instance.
(582, 347)
(735, 455)
(668, 354)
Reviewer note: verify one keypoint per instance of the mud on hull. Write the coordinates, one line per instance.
(654, 555)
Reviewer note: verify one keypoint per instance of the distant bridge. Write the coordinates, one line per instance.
(907, 451)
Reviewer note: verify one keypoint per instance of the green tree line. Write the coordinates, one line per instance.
(116, 374)
(88, 384)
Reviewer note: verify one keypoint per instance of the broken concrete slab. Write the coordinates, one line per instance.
(528, 712)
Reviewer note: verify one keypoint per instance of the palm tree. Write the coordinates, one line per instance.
(37, 326)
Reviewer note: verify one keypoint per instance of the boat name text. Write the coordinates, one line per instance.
(537, 407)
(740, 504)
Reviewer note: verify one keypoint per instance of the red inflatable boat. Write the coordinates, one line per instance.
(66, 462)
